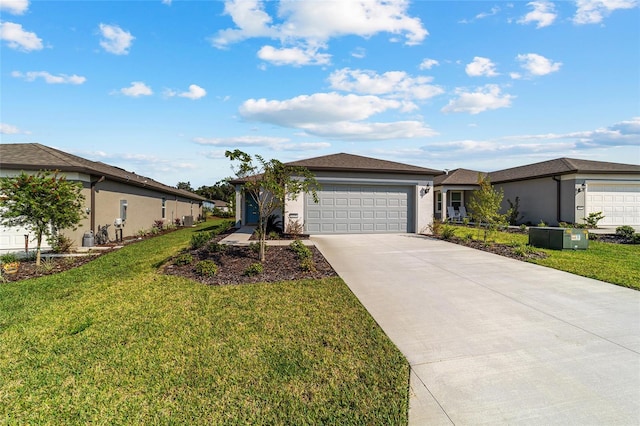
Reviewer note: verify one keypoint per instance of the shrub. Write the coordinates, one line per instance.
(255, 247)
(524, 250)
(46, 265)
(158, 224)
(307, 264)
(141, 233)
(625, 232)
(513, 214)
(295, 227)
(468, 237)
(61, 244)
(183, 259)
(177, 222)
(206, 268)
(542, 224)
(199, 239)
(636, 238)
(300, 249)
(523, 227)
(448, 232)
(216, 247)
(253, 269)
(436, 227)
(274, 224)
(593, 219)
(8, 258)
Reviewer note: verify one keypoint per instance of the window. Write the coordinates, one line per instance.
(456, 199)
(164, 208)
(438, 201)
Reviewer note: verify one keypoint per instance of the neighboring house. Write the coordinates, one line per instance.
(454, 189)
(568, 190)
(554, 191)
(110, 193)
(221, 205)
(357, 195)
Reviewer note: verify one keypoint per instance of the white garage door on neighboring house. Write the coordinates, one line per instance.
(619, 203)
(360, 209)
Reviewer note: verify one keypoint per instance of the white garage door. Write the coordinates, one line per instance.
(619, 203)
(12, 240)
(359, 209)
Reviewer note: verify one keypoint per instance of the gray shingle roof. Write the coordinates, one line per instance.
(561, 166)
(34, 156)
(357, 163)
(458, 177)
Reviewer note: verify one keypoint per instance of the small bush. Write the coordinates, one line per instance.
(206, 268)
(636, 238)
(625, 232)
(141, 233)
(216, 247)
(8, 258)
(199, 239)
(295, 227)
(468, 237)
(46, 265)
(177, 222)
(307, 264)
(436, 227)
(448, 232)
(523, 228)
(542, 224)
(61, 244)
(253, 269)
(255, 247)
(158, 224)
(593, 219)
(300, 249)
(183, 259)
(524, 250)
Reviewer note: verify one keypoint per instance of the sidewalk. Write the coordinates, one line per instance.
(242, 235)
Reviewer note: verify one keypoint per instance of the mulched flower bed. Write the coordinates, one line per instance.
(281, 264)
(48, 266)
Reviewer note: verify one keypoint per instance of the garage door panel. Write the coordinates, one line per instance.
(619, 203)
(360, 209)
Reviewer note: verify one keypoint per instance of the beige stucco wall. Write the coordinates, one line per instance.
(144, 206)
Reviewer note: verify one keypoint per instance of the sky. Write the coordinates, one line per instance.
(164, 87)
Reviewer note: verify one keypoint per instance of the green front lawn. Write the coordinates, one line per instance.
(614, 263)
(116, 342)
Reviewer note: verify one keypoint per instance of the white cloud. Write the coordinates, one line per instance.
(167, 2)
(194, 92)
(293, 56)
(481, 67)
(137, 88)
(538, 65)
(623, 134)
(594, 11)
(484, 98)
(359, 52)
(19, 39)
(50, 78)
(241, 141)
(317, 108)
(115, 39)
(313, 23)
(427, 64)
(396, 84)
(543, 14)
(8, 129)
(15, 7)
(333, 115)
(494, 11)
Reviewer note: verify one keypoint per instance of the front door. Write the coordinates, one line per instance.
(252, 212)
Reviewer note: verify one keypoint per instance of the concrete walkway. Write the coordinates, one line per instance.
(493, 340)
(242, 238)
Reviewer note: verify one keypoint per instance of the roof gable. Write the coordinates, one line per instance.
(34, 156)
(458, 177)
(357, 163)
(561, 166)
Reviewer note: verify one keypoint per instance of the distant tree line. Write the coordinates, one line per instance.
(221, 190)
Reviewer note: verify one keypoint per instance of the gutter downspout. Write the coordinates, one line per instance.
(559, 197)
(93, 202)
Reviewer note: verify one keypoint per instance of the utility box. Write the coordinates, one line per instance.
(559, 238)
(87, 239)
(187, 220)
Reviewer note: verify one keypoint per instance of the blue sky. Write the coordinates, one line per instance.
(163, 88)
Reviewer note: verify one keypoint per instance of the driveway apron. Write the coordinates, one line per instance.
(492, 340)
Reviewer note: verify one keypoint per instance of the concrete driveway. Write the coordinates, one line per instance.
(495, 340)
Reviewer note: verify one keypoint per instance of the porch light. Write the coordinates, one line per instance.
(581, 188)
(426, 189)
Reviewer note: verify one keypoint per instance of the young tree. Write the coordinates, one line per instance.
(485, 205)
(269, 183)
(43, 203)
